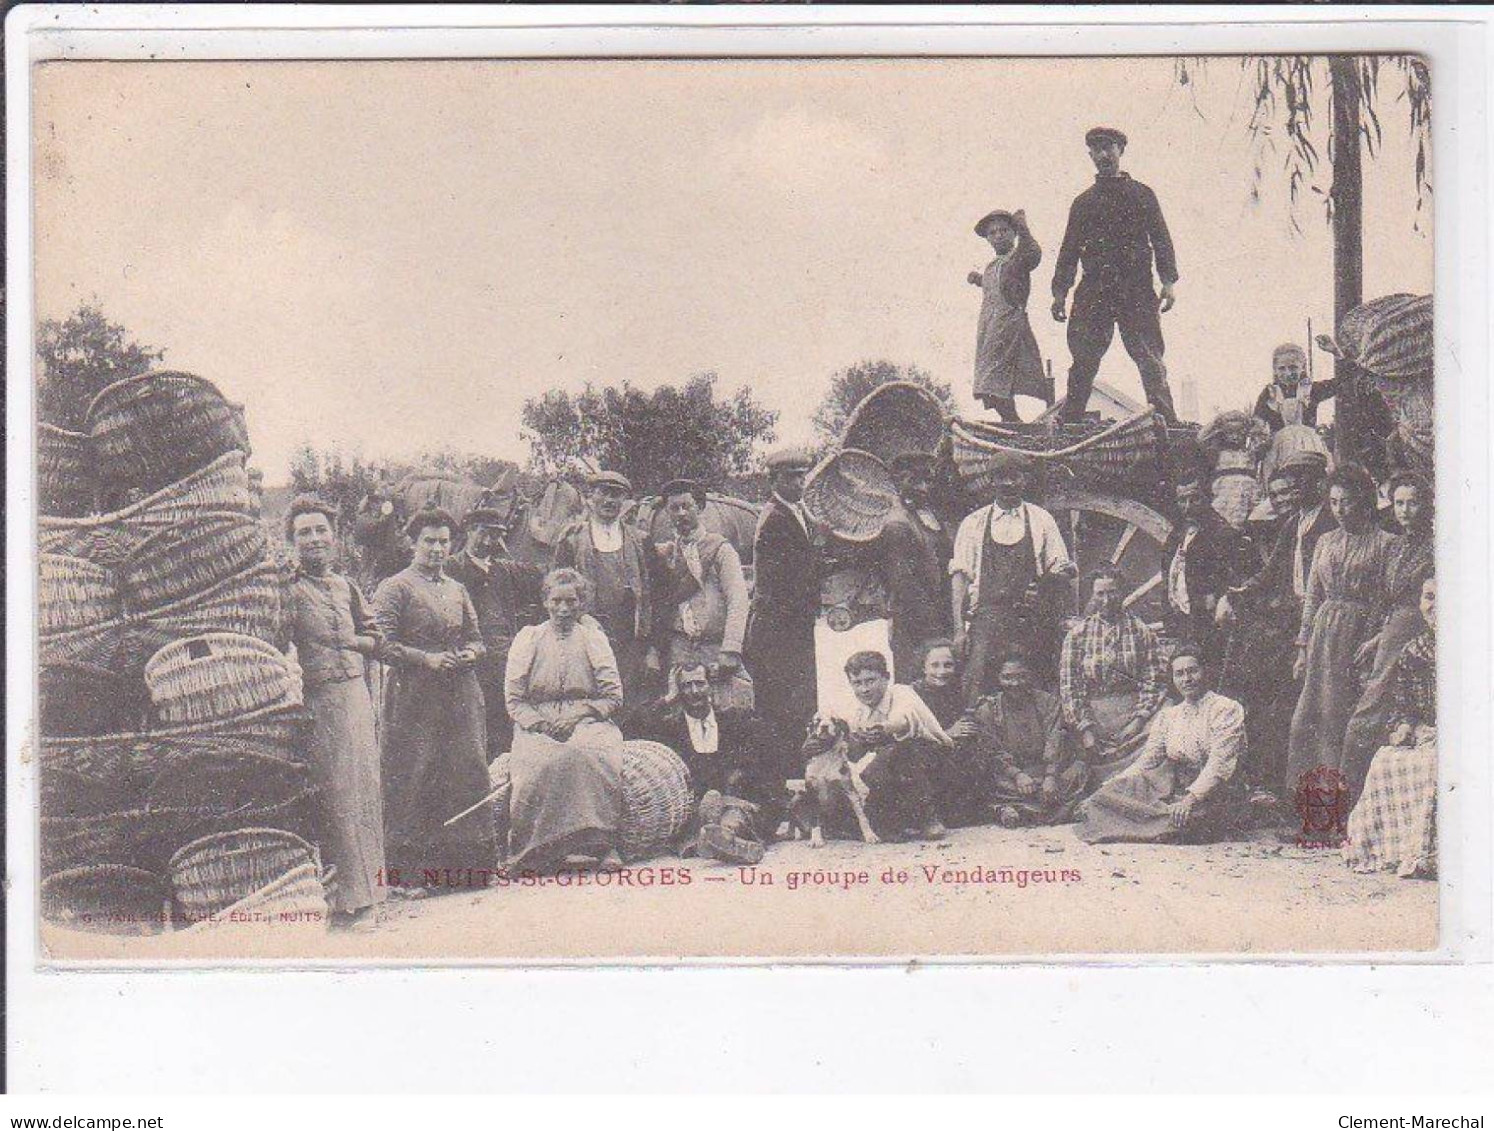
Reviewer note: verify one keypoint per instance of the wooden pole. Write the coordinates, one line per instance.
(1347, 194)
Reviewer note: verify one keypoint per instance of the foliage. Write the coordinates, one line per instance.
(79, 356)
(1288, 91)
(849, 387)
(651, 438)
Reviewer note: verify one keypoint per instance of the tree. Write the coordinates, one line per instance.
(849, 387)
(673, 432)
(1286, 89)
(80, 356)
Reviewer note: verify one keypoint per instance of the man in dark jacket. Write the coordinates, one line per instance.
(916, 548)
(785, 604)
(1201, 558)
(506, 595)
(1115, 230)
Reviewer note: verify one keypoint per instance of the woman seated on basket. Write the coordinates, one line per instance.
(562, 688)
(1182, 786)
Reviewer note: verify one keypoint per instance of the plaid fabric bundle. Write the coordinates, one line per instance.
(1394, 824)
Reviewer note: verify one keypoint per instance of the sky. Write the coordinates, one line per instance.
(390, 257)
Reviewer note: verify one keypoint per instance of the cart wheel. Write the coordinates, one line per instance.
(1128, 535)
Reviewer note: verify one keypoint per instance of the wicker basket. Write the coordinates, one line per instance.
(657, 799)
(106, 899)
(80, 699)
(65, 793)
(898, 418)
(215, 872)
(225, 781)
(74, 593)
(98, 646)
(298, 897)
(248, 604)
(139, 838)
(112, 539)
(190, 557)
(276, 732)
(1390, 338)
(64, 472)
(852, 493)
(157, 428)
(1118, 451)
(216, 676)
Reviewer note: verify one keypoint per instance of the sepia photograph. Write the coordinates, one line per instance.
(735, 509)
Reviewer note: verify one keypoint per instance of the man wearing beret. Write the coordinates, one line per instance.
(1115, 230)
(785, 603)
(610, 555)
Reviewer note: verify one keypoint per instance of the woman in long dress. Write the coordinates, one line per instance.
(1007, 362)
(1182, 786)
(435, 730)
(1411, 562)
(1343, 608)
(562, 688)
(335, 635)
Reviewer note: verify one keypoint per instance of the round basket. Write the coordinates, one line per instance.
(112, 539)
(109, 899)
(225, 781)
(73, 593)
(80, 699)
(852, 493)
(65, 793)
(98, 646)
(182, 560)
(1391, 337)
(154, 429)
(247, 604)
(297, 897)
(140, 838)
(898, 418)
(216, 676)
(64, 473)
(657, 800)
(214, 872)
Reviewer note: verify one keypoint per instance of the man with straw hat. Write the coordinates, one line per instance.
(1115, 230)
(611, 556)
(1008, 559)
(785, 602)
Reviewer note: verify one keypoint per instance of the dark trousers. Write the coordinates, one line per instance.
(1097, 312)
(901, 795)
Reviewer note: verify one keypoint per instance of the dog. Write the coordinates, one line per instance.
(828, 775)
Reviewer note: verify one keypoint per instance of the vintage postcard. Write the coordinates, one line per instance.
(649, 509)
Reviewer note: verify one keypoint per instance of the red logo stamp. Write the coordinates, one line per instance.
(1322, 801)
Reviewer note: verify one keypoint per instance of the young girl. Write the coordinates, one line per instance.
(1006, 353)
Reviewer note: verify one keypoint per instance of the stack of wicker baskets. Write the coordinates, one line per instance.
(169, 713)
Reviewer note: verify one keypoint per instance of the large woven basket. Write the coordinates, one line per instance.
(137, 759)
(74, 593)
(1389, 338)
(249, 603)
(190, 557)
(110, 899)
(65, 793)
(299, 897)
(225, 781)
(64, 471)
(155, 429)
(99, 646)
(214, 872)
(80, 699)
(1117, 452)
(139, 838)
(217, 676)
(898, 418)
(852, 493)
(112, 539)
(657, 799)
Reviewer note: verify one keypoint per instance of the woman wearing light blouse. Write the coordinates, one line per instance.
(1181, 785)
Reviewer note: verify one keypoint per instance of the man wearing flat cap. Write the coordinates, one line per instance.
(1009, 577)
(1115, 230)
(785, 603)
(610, 555)
(506, 595)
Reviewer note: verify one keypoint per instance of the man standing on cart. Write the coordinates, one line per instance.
(1115, 230)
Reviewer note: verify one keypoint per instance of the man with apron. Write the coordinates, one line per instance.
(1007, 558)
